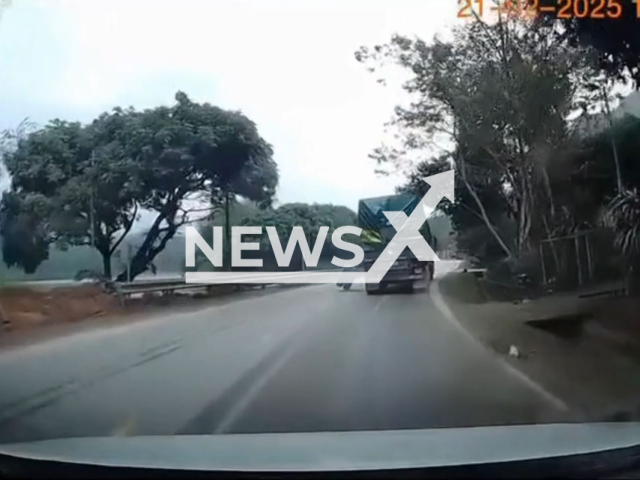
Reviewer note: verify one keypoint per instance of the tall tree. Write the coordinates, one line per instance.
(70, 185)
(465, 218)
(500, 95)
(83, 185)
(284, 218)
(612, 33)
(193, 156)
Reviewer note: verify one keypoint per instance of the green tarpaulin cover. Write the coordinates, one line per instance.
(376, 229)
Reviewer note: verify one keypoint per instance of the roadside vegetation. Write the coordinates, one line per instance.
(546, 168)
(87, 185)
(541, 121)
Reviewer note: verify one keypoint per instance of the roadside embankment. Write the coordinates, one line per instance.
(585, 351)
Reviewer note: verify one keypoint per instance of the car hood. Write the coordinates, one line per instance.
(370, 450)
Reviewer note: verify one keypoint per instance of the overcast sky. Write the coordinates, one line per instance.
(288, 65)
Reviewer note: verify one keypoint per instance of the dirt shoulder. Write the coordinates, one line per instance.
(575, 348)
(31, 316)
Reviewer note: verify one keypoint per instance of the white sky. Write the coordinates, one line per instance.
(288, 65)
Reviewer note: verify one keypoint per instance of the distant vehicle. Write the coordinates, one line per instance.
(407, 272)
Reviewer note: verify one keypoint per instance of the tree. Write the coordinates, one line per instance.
(284, 218)
(463, 213)
(25, 241)
(194, 152)
(615, 38)
(623, 216)
(500, 95)
(76, 184)
(587, 178)
(309, 217)
(70, 185)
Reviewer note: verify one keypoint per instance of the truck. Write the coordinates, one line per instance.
(407, 272)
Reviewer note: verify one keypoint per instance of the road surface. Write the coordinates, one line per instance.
(303, 359)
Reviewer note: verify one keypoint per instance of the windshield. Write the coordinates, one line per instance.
(316, 216)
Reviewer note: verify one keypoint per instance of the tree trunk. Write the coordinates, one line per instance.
(524, 208)
(146, 253)
(106, 265)
(483, 212)
(139, 264)
(619, 184)
(552, 245)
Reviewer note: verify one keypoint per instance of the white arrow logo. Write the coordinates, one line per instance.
(408, 234)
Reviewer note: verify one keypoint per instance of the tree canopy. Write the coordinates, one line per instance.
(309, 216)
(505, 103)
(499, 95)
(614, 36)
(74, 184)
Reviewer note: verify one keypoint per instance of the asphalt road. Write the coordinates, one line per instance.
(303, 359)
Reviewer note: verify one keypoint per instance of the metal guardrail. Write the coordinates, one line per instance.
(151, 286)
(135, 287)
(170, 285)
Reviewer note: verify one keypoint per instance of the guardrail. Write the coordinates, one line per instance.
(152, 286)
(138, 286)
(133, 288)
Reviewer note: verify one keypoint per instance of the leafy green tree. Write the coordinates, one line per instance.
(586, 182)
(193, 152)
(590, 163)
(615, 37)
(70, 185)
(500, 95)
(284, 218)
(623, 216)
(76, 184)
(463, 214)
(309, 217)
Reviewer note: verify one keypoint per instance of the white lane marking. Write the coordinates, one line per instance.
(254, 390)
(375, 309)
(451, 318)
(295, 342)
